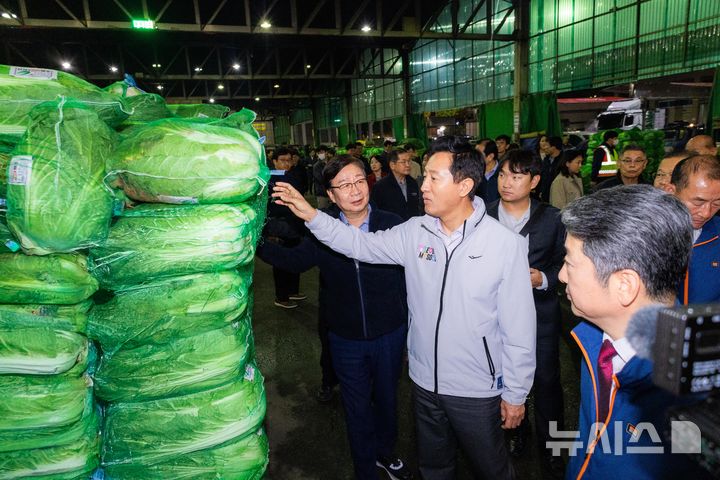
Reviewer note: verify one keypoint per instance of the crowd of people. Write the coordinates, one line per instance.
(459, 258)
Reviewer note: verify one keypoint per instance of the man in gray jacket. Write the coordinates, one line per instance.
(471, 339)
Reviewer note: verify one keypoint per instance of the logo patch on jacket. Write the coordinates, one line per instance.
(427, 253)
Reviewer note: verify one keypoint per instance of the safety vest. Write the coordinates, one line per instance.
(608, 168)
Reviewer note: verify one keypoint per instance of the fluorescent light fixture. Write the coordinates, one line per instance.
(265, 24)
(236, 66)
(143, 24)
(160, 87)
(366, 28)
(257, 99)
(113, 68)
(156, 65)
(221, 86)
(276, 86)
(6, 15)
(66, 65)
(198, 69)
(212, 100)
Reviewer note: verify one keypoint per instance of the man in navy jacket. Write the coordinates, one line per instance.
(540, 224)
(399, 192)
(696, 182)
(364, 308)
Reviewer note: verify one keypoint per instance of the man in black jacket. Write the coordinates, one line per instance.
(398, 193)
(540, 224)
(364, 309)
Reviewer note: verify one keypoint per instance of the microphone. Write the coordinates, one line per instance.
(642, 328)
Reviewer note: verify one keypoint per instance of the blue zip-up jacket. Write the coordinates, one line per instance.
(635, 400)
(702, 280)
(358, 301)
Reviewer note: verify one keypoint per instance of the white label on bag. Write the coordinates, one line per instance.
(177, 200)
(36, 73)
(20, 170)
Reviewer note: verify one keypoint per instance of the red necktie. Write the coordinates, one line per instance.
(605, 372)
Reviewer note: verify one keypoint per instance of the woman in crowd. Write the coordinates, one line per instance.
(568, 185)
(377, 171)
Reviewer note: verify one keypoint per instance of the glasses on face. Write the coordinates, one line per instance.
(346, 187)
(660, 174)
(633, 161)
(403, 162)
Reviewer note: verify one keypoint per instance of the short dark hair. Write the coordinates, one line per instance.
(634, 147)
(359, 145)
(609, 135)
(555, 142)
(334, 166)
(636, 227)
(409, 146)
(523, 162)
(490, 148)
(503, 137)
(322, 148)
(393, 156)
(280, 152)
(567, 157)
(350, 146)
(388, 143)
(707, 164)
(466, 161)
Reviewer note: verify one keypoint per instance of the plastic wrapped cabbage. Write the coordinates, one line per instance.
(71, 318)
(8, 242)
(4, 163)
(56, 198)
(34, 402)
(151, 242)
(22, 88)
(146, 107)
(172, 308)
(41, 351)
(180, 161)
(54, 279)
(147, 433)
(199, 110)
(75, 461)
(186, 365)
(243, 459)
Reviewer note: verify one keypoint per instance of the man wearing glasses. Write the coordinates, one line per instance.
(398, 193)
(666, 167)
(630, 168)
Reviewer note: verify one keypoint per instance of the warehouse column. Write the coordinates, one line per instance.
(520, 79)
(405, 56)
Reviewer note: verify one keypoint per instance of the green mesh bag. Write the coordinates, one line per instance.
(186, 365)
(200, 110)
(146, 107)
(41, 351)
(56, 198)
(160, 312)
(180, 161)
(54, 279)
(151, 242)
(243, 459)
(155, 431)
(22, 88)
(75, 461)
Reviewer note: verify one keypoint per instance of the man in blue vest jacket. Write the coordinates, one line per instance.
(696, 182)
(626, 248)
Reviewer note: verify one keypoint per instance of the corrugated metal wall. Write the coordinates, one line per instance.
(579, 44)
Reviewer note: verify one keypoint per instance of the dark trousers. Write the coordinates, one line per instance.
(329, 379)
(286, 284)
(445, 422)
(548, 394)
(369, 371)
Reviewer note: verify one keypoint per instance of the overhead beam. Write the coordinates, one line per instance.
(320, 76)
(356, 15)
(313, 14)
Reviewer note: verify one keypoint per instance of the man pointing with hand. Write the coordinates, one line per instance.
(471, 339)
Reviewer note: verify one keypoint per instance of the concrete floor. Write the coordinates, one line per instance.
(307, 439)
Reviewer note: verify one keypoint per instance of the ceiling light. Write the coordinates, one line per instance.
(113, 68)
(221, 86)
(198, 69)
(308, 66)
(265, 24)
(212, 100)
(257, 99)
(6, 15)
(13, 15)
(236, 66)
(276, 86)
(160, 87)
(66, 65)
(156, 65)
(366, 28)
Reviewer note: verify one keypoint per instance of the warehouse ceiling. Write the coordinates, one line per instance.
(283, 52)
